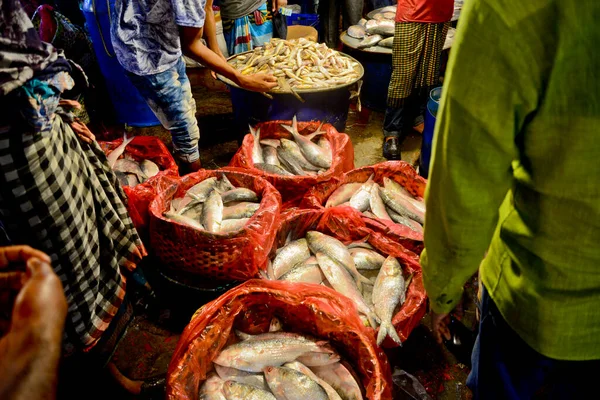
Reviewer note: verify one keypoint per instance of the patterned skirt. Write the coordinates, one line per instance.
(247, 32)
(416, 58)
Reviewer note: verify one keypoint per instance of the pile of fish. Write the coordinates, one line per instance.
(299, 64)
(214, 205)
(373, 282)
(378, 31)
(300, 156)
(129, 171)
(279, 366)
(391, 202)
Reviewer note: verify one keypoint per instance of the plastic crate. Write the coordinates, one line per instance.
(304, 19)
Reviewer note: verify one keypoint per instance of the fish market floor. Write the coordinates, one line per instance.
(147, 347)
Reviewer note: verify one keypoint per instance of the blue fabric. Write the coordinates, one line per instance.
(145, 33)
(400, 120)
(382, 3)
(245, 35)
(505, 367)
(169, 96)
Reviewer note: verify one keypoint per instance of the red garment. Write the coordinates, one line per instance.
(430, 11)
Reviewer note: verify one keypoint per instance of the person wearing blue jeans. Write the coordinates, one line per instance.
(149, 38)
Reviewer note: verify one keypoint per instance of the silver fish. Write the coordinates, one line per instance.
(149, 168)
(122, 177)
(202, 189)
(184, 220)
(273, 169)
(362, 22)
(270, 155)
(342, 194)
(336, 250)
(243, 209)
(342, 281)
(257, 156)
(212, 213)
(294, 151)
(325, 145)
(400, 219)
(369, 41)
(224, 184)
(383, 27)
(338, 376)
(388, 292)
(239, 391)
(255, 355)
(315, 359)
(357, 31)
(361, 200)
(132, 180)
(288, 162)
(367, 259)
(298, 366)
(270, 142)
(387, 42)
(212, 388)
(287, 384)
(233, 225)
(304, 273)
(116, 153)
(388, 9)
(290, 255)
(313, 153)
(129, 167)
(398, 188)
(377, 206)
(401, 205)
(239, 194)
(194, 212)
(248, 378)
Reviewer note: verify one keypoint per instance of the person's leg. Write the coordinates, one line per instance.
(352, 12)
(329, 13)
(169, 95)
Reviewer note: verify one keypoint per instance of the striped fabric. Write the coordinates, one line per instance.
(415, 58)
(246, 33)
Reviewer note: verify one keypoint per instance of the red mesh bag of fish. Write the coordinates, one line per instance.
(396, 211)
(139, 149)
(346, 254)
(224, 249)
(293, 187)
(301, 309)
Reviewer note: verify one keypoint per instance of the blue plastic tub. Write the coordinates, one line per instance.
(304, 19)
(130, 107)
(430, 118)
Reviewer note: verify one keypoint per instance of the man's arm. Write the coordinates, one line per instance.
(192, 47)
(210, 29)
(491, 88)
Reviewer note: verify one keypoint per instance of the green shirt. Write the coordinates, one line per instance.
(516, 171)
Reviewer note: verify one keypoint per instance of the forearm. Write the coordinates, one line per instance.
(210, 29)
(210, 59)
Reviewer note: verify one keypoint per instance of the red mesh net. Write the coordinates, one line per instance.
(347, 225)
(235, 256)
(399, 171)
(293, 188)
(303, 308)
(139, 196)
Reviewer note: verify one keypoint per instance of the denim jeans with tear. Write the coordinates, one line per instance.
(169, 96)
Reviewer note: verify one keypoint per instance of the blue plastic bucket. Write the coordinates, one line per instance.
(130, 108)
(430, 118)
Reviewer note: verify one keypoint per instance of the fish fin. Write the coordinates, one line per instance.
(316, 133)
(407, 281)
(288, 128)
(387, 329)
(295, 125)
(127, 140)
(371, 178)
(242, 335)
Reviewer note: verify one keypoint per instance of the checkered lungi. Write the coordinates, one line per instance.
(416, 58)
(59, 195)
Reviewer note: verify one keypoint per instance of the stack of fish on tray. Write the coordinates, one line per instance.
(322, 259)
(378, 31)
(391, 202)
(299, 64)
(129, 171)
(214, 205)
(300, 156)
(279, 366)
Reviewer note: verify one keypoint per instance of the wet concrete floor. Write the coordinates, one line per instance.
(147, 347)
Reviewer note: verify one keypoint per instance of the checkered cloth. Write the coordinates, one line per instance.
(415, 59)
(59, 195)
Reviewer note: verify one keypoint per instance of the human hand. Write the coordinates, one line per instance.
(439, 324)
(258, 82)
(80, 129)
(277, 4)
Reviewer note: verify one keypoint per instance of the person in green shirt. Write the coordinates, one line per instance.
(516, 173)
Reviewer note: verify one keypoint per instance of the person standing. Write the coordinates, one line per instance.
(419, 36)
(248, 24)
(329, 13)
(149, 38)
(516, 173)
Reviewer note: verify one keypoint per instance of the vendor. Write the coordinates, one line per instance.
(57, 192)
(421, 28)
(248, 23)
(329, 13)
(149, 37)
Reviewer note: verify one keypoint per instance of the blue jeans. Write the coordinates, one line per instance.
(169, 96)
(505, 367)
(400, 120)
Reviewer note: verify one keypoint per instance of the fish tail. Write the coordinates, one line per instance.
(127, 140)
(387, 329)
